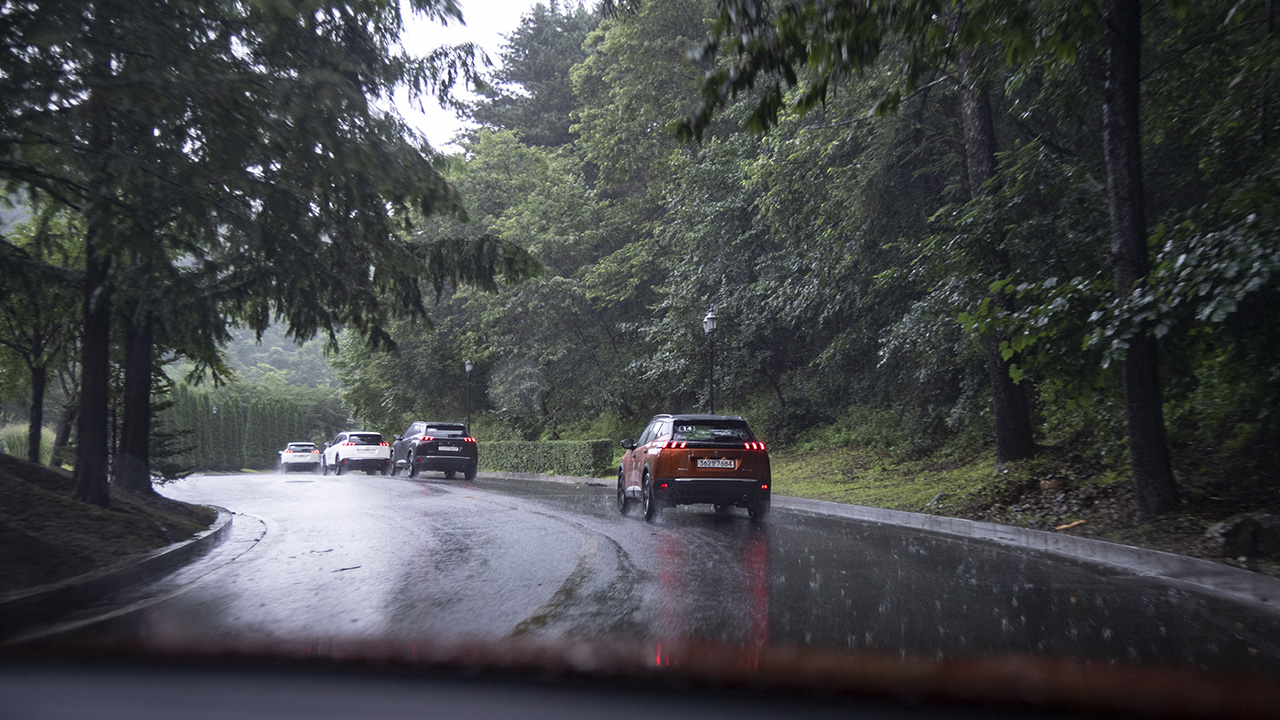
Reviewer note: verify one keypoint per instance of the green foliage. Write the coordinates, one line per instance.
(245, 426)
(532, 90)
(13, 441)
(577, 458)
(854, 275)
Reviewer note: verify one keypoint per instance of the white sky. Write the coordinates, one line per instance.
(488, 22)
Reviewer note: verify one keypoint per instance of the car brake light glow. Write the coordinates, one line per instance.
(469, 439)
(663, 486)
(754, 445)
(673, 445)
(382, 444)
(426, 438)
(764, 487)
(315, 452)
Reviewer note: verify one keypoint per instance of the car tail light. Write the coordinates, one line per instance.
(469, 439)
(764, 487)
(426, 438)
(755, 445)
(382, 444)
(348, 443)
(315, 452)
(675, 445)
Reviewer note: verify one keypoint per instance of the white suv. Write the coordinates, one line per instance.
(300, 456)
(356, 450)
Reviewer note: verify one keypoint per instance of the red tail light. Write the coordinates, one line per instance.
(315, 452)
(348, 443)
(426, 438)
(754, 445)
(675, 445)
(382, 444)
(470, 439)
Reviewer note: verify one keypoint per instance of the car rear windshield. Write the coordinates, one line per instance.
(365, 439)
(711, 431)
(301, 447)
(446, 430)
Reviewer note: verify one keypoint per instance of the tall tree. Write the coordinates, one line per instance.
(816, 44)
(1011, 404)
(229, 137)
(1122, 140)
(38, 318)
(532, 91)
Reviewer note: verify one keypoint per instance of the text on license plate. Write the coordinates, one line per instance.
(449, 448)
(724, 463)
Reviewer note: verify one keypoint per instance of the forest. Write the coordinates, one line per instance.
(813, 177)
(993, 225)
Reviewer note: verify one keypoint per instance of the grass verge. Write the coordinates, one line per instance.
(1058, 491)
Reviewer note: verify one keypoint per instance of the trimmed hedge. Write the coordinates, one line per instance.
(579, 458)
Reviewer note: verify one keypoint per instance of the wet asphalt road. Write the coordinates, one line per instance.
(365, 556)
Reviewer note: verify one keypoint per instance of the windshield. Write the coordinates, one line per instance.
(923, 336)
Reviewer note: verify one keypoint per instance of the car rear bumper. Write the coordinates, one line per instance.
(718, 491)
(445, 463)
(300, 463)
(359, 463)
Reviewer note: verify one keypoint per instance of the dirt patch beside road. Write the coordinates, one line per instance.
(46, 536)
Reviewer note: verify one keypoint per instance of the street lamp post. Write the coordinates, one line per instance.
(468, 367)
(709, 327)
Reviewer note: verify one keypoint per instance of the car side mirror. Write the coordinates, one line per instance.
(397, 438)
(629, 444)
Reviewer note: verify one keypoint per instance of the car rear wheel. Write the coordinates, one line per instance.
(651, 507)
(337, 465)
(624, 502)
(395, 469)
(413, 467)
(324, 467)
(470, 474)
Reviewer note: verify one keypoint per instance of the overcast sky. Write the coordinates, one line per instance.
(488, 22)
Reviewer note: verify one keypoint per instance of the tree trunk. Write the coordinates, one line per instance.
(35, 428)
(133, 461)
(95, 349)
(66, 419)
(1121, 136)
(95, 372)
(1010, 404)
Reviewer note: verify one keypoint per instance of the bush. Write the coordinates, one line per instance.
(13, 441)
(580, 458)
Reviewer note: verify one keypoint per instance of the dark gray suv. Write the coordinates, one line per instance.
(436, 446)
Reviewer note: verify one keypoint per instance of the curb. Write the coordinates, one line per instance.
(46, 603)
(1197, 574)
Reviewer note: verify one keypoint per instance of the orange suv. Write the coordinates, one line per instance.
(687, 459)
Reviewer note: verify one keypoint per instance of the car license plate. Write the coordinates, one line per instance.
(719, 463)
(449, 448)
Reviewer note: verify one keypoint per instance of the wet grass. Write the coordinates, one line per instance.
(1060, 490)
(878, 479)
